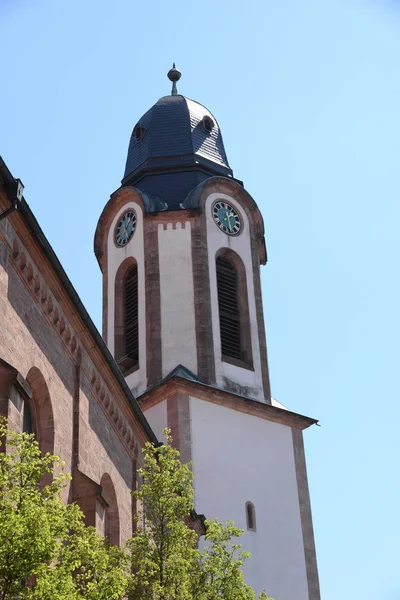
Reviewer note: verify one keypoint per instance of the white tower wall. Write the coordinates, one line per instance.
(240, 458)
(178, 328)
(137, 380)
(241, 244)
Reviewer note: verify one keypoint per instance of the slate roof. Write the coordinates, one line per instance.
(175, 153)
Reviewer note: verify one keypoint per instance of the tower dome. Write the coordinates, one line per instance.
(174, 147)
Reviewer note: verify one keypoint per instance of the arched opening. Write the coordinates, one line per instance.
(250, 516)
(127, 316)
(233, 305)
(38, 413)
(111, 513)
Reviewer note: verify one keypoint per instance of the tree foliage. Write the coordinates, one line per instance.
(46, 552)
(163, 548)
(167, 562)
(220, 565)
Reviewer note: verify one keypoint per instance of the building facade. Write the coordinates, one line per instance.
(59, 380)
(180, 245)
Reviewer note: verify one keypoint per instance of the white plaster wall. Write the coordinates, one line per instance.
(239, 458)
(137, 381)
(158, 418)
(241, 244)
(178, 328)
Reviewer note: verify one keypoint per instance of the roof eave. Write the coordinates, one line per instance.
(282, 413)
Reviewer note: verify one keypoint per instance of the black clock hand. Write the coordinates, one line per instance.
(233, 216)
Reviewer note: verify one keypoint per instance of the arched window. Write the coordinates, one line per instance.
(38, 416)
(127, 315)
(131, 314)
(229, 317)
(250, 516)
(233, 307)
(111, 512)
(38, 413)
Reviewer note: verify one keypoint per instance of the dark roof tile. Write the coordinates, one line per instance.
(175, 153)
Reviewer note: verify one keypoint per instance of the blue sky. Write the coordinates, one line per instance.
(307, 95)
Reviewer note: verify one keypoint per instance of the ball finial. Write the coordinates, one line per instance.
(174, 75)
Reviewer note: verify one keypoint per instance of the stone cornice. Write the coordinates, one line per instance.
(223, 398)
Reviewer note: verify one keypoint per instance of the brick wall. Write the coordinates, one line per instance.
(79, 406)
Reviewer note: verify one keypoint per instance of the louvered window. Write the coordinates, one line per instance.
(131, 314)
(229, 315)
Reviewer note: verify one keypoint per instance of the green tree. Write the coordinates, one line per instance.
(165, 558)
(46, 552)
(163, 549)
(220, 573)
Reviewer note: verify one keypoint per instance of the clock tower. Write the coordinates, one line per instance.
(180, 245)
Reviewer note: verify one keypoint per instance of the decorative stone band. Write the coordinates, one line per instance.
(114, 414)
(33, 280)
(30, 275)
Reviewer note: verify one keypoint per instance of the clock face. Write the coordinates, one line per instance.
(226, 217)
(125, 228)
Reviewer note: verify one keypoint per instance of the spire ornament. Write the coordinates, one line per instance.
(174, 75)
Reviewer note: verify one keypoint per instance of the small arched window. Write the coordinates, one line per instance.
(250, 516)
(38, 412)
(127, 316)
(233, 307)
(38, 416)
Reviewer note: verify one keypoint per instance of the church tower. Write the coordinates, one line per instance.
(180, 245)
